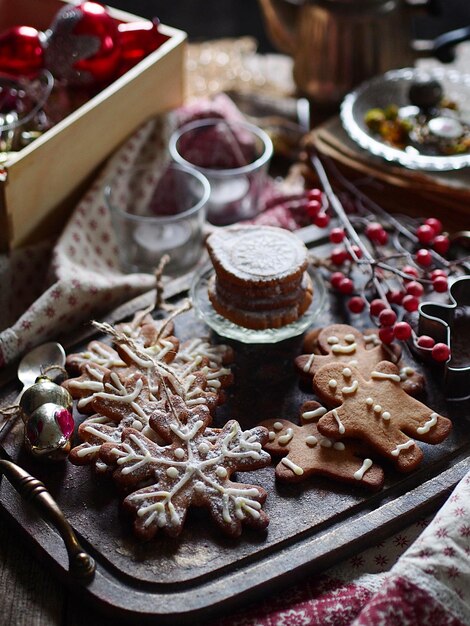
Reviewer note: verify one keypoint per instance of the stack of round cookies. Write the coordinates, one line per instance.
(260, 276)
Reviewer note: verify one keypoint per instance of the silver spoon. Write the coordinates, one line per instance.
(35, 362)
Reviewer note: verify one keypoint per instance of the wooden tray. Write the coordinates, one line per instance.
(313, 524)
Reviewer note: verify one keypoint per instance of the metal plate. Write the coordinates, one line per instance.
(392, 88)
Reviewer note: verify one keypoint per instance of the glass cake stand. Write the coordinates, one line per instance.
(224, 327)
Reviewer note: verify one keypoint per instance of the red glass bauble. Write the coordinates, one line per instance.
(83, 44)
(96, 22)
(137, 40)
(21, 53)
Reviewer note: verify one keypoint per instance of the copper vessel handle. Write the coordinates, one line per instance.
(81, 564)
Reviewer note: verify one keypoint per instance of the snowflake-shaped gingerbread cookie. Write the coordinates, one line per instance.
(193, 470)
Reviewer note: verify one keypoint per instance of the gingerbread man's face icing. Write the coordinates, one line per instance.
(378, 411)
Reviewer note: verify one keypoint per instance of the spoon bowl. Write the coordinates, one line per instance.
(35, 362)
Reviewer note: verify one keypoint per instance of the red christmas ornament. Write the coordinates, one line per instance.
(83, 44)
(21, 52)
(137, 40)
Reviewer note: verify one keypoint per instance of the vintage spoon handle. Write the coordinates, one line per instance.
(81, 564)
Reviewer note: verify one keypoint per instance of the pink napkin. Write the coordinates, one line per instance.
(42, 298)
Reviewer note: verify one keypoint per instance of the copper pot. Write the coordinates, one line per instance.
(336, 44)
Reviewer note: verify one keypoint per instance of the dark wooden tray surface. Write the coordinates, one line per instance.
(313, 524)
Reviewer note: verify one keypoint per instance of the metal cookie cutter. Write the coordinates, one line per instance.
(450, 324)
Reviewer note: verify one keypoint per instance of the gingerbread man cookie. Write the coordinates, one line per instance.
(377, 411)
(340, 343)
(305, 452)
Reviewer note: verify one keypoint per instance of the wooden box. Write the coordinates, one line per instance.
(41, 184)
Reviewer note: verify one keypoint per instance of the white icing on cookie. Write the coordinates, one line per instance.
(341, 427)
(221, 472)
(349, 338)
(278, 426)
(405, 372)
(386, 416)
(372, 338)
(332, 340)
(351, 389)
(369, 401)
(172, 472)
(425, 428)
(384, 375)
(366, 465)
(311, 415)
(311, 441)
(309, 363)
(284, 439)
(298, 471)
(403, 446)
(344, 349)
(347, 372)
(332, 384)
(339, 445)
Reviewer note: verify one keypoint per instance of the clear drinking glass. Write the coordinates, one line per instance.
(157, 213)
(234, 156)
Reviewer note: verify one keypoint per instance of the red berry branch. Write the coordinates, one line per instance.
(414, 277)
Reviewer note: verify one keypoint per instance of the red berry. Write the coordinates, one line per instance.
(321, 220)
(435, 273)
(376, 233)
(402, 331)
(336, 235)
(435, 224)
(386, 334)
(411, 271)
(346, 286)
(423, 257)
(387, 317)
(394, 296)
(356, 304)
(315, 194)
(336, 278)
(338, 256)
(441, 244)
(425, 233)
(376, 306)
(410, 303)
(357, 251)
(382, 237)
(440, 352)
(425, 341)
(440, 284)
(413, 288)
(313, 208)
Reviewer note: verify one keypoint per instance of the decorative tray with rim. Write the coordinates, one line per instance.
(313, 524)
